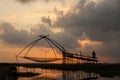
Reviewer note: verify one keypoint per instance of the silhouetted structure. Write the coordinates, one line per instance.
(68, 58)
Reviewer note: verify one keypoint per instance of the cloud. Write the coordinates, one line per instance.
(21, 37)
(99, 21)
(25, 1)
(63, 38)
(29, 1)
(46, 20)
(11, 35)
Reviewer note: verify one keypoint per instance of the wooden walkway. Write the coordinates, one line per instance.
(75, 58)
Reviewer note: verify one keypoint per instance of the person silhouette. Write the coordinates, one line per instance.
(93, 54)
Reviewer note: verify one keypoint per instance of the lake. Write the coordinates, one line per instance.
(52, 74)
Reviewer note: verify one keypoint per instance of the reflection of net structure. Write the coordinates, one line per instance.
(79, 75)
(67, 57)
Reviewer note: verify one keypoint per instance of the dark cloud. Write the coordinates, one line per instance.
(63, 38)
(99, 21)
(25, 1)
(46, 20)
(11, 35)
(22, 37)
(29, 1)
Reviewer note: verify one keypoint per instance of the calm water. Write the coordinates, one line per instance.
(46, 74)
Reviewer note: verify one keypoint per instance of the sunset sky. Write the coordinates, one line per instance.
(78, 25)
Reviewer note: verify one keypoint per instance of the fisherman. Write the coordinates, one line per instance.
(93, 54)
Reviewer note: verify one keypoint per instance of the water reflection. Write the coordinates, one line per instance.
(79, 75)
(46, 74)
(23, 73)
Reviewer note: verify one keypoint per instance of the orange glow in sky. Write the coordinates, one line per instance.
(87, 42)
(42, 52)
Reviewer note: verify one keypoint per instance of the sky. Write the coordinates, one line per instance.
(78, 25)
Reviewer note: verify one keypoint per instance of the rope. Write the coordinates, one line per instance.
(57, 45)
(26, 47)
(32, 46)
(51, 47)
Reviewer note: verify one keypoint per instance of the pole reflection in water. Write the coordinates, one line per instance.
(47, 74)
(79, 75)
